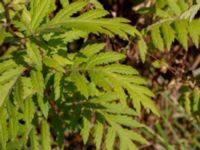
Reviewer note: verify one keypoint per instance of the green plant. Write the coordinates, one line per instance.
(172, 20)
(190, 99)
(45, 89)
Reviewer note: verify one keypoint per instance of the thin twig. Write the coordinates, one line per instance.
(8, 24)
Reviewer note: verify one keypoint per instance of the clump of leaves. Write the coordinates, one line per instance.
(190, 99)
(45, 89)
(173, 20)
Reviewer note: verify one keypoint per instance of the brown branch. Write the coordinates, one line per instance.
(8, 24)
(196, 63)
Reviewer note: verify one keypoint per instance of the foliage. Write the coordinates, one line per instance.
(173, 20)
(190, 99)
(42, 83)
(47, 89)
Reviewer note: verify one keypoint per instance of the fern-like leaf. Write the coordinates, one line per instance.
(157, 39)
(3, 131)
(6, 89)
(190, 13)
(110, 138)
(142, 49)
(168, 34)
(46, 141)
(38, 82)
(29, 111)
(68, 11)
(104, 58)
(182, 32)
(34, 54)
(98, 134)
(86, 127)
(57, 85)
(81, 83)
(39, 10)
(174, 6)
(71, 35)
(194, 31)
(34, 140)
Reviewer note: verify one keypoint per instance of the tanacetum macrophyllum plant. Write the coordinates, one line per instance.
(45, 89)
